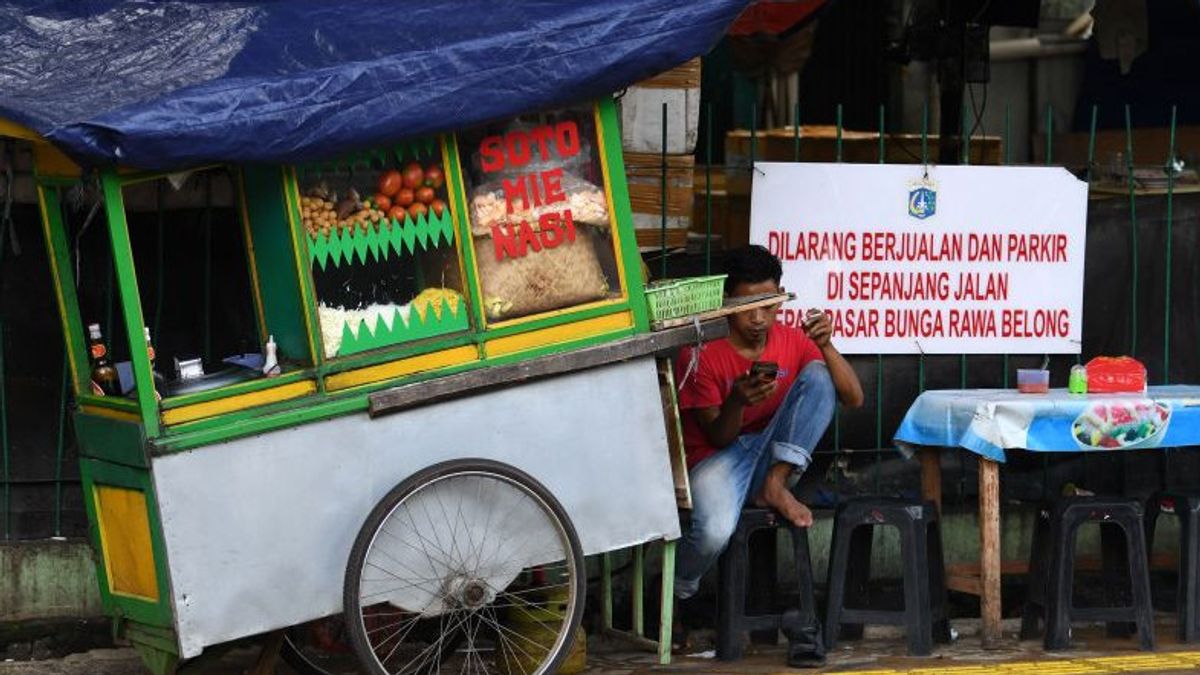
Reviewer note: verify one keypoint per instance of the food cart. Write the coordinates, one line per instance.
(466, 403)
(451, 399)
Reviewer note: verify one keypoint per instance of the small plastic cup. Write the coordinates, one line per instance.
(1033, 380)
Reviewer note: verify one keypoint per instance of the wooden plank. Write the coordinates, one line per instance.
(964, 583)
(269, 656)
(475, 381)
(989, 551)
(931, 475)
(731, 306)
(679, 473)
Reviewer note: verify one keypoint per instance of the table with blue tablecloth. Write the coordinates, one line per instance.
(988, 422)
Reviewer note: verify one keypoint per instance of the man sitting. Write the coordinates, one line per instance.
(754, 405)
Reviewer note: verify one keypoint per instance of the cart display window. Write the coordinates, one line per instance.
(381, 247)
(194, 284)
(98, 299)
(541, 222)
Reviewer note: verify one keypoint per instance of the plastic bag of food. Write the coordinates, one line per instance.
(569, 274)
(1115, 375)
(490, 201)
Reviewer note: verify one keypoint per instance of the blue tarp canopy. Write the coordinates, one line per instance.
(166, 85)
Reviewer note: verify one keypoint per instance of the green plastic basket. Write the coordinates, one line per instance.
(673, 298)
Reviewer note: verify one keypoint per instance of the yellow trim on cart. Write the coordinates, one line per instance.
(241, 402)
(446, 358)
(19, 131)
(568, 332)
(110, 413)
(50, 161)
(58, 286)
(124, 525)
(612, 212)
(258, 302)
(291, 200)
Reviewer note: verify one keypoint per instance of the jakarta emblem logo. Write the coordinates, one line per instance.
(922, 199)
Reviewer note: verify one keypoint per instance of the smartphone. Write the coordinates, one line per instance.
(765, 370)
(811, 317)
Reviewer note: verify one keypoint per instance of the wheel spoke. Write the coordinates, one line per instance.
(458, 538)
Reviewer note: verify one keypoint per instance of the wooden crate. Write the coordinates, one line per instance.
(641, 111)
(643, 171)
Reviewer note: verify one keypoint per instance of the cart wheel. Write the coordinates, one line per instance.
(320, 647)
(467, 566)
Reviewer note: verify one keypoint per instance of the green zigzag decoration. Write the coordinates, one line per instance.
(347, 246)
(369, 160)
(453, 320)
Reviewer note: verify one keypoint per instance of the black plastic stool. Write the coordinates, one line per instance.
(924, 614)
(1186, 506)
(732, 620)
(1052, 569)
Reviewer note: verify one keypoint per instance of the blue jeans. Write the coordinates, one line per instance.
(723, 482)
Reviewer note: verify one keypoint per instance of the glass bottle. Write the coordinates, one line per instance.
(105, 381)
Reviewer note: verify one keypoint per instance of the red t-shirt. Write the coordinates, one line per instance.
(711, 381)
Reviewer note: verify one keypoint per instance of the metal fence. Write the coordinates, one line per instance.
(1154, 321)
(1151, 314)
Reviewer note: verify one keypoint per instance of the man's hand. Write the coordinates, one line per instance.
(751, 390)
(820, 330)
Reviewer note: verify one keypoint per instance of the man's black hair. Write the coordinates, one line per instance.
(751, 264)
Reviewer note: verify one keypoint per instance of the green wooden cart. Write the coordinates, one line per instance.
(467, 403)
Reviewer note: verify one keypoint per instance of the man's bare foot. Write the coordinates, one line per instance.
(776, 495)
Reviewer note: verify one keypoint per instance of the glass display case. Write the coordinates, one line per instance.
(540, 217)
(380, 239)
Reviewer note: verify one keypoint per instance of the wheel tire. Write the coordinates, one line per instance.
(575, 586)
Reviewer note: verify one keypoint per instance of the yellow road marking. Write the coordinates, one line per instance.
(1100, 665)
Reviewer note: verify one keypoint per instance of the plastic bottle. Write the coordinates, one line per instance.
(270, 359)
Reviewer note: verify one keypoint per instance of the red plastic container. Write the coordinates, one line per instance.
(1116, 375)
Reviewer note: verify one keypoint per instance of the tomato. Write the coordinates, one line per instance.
(437, 206)
(397, 213)
(383, 202)
(425, 194)
(418, 209)
(404, 197)
(389, 182)
(434, 176)
(414, 175)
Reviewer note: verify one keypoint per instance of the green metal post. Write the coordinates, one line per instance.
(708, 190)
(1133, 236)
(667, 612)
(837, 410)
(753, 137)
(663, 187)
(606, 591)
(161, 258)
(1049, 134)
(208, 225)
(131, 307)
(1007, 161)
(838, 146)
(60, 443)
(1167, 272)
(925, 162)
(4, 437)
(879, 357)
(796, 134)
(925, 134)
(639, 588)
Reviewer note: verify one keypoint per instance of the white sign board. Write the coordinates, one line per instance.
(966, 259)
